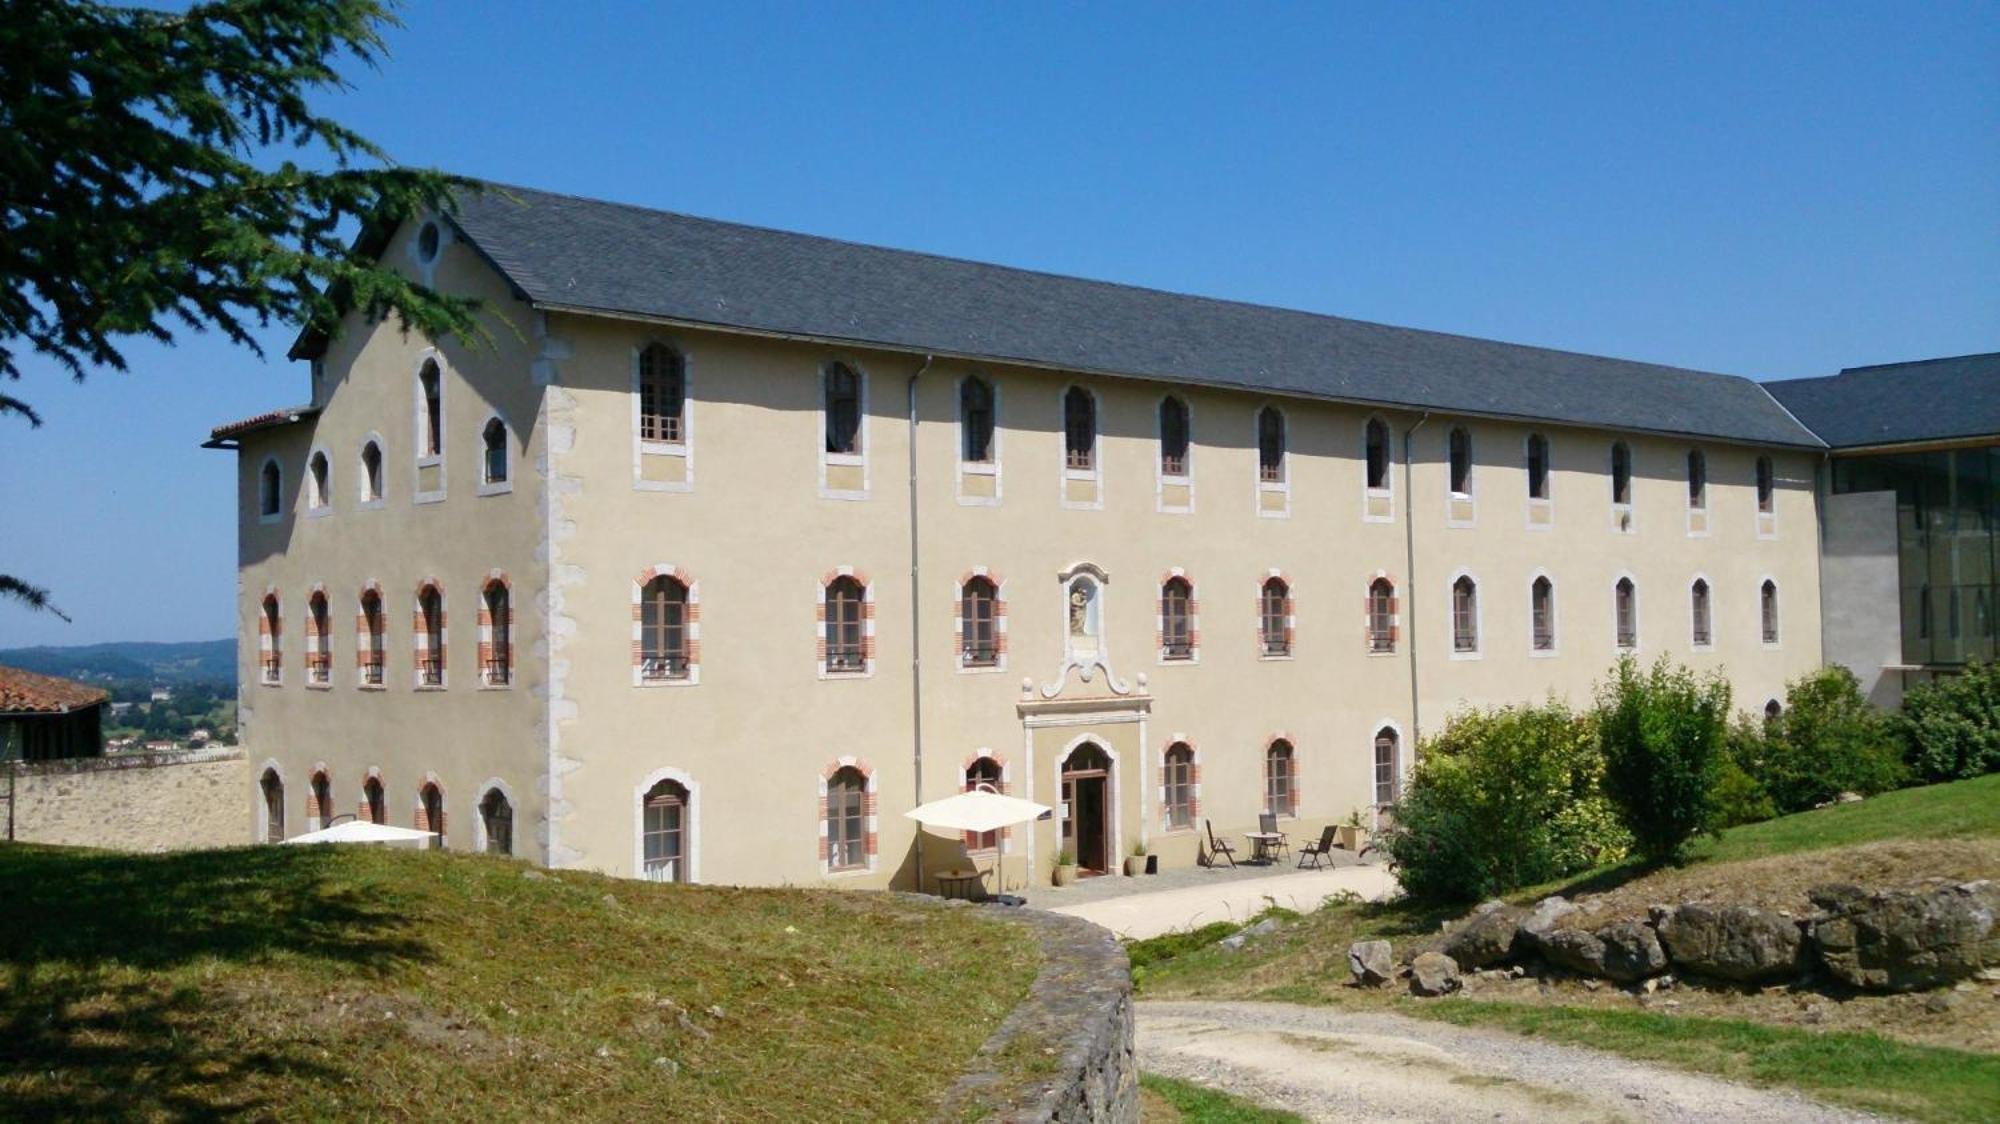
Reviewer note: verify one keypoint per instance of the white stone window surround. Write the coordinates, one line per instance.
(262, 814)
(1555, 616)
(1396, 632)
(319, 499)
(1095, 473)
(361, 649)
(1638, 626)
(277, 512)
(1697, 510)
(1115, 846)
(424, 460)
(497, 487)
(364, 500)
(426, 265)
(1160, 620)
(1547, 504)
(825, 582)
(1161, 478)
(1766, 521)
(693, 626)
(999, 622)
(1478, 650)
(1400, 759)
(1777, 612)
(1194, 786)
(691, 825)
(684, 448)
(1712, 614)
(871, 821)
(862, 442)
(1624, 516)
(1291, 651)
(1470, 496)
(1282, 486)
(1388, 490)
(991, 465)
(478, 815)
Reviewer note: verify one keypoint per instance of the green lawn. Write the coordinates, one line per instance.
(1959, 810)
(1171, 1099)
(325, 983)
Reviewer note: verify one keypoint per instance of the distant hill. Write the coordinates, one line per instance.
(194, 661)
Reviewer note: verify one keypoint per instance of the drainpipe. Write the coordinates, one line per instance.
(1410, 567)
(916, 629)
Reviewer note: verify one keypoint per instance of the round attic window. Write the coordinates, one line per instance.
(428, 240)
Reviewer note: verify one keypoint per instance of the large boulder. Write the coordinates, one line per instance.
(1433, 973)
(1733, 942)
(1631, 951)
(1904, 940)
(1486, 937)
(1575, 949)
(1371, 962)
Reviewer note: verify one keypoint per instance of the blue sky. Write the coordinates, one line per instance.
(1768, 190)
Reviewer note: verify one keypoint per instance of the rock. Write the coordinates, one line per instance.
(1908, 940)
(1940, 1002)
(1487, 937)
(1631, 951)
(533, 875)
(1488, 906)
(1371, 962)
(668, 1066)
(1733, 942)
(1433, 973)
(1538, 921)
(1575, 949)
(1267, 925)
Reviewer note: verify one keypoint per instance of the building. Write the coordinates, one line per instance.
(1913, 497)
(732, 545)
(43, 718)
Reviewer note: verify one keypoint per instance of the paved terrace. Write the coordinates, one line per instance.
(1192, 896)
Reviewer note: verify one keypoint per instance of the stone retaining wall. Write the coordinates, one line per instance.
(134, 801)
(1065, 1054)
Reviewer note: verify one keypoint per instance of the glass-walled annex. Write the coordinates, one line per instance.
(1946, 505)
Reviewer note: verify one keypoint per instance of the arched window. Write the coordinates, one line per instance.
(847, 820)
(430, 637)
(1773, 710)
(1281, 796)
(1697, 479)
(493, 465)
(1621, 474)
(1173, 437)
(1388, 770)
(1698, 606)
(1274, 613)
(1378, 454)
(979, 622)
(271, 649)
(975, 420)
(1542, 614)
(664, 834)
(497, 661)
(1270, 445)
(376, 803)
(1538, 467)
(322, 796)
(317, 481)
(845, 650)
(983, 775)
(1178, 779)
(1767, 599)
(1625, 608)
(1381, 616)
(843, 409)
(374, 638)
(430, 420)
(1176, 619)
(270, 489)
(1464, 614)
(274, 807)
(430, 799)
(1079, 429)
(319, 640)
(371, 472)
(1460, 444)
(664, 646)
(1767, 486)
(496, 817)
(662, 395)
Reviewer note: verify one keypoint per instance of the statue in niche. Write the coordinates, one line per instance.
(1080, 622)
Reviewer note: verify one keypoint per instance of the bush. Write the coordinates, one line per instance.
(1828, 740)
(1662, 735)
(1951, 726)
(1502, 799)
(1740, 797)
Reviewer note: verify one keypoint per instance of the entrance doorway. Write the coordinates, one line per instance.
(1086, 830)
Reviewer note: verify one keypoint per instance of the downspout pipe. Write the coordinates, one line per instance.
(1410, 568)
(916, 628)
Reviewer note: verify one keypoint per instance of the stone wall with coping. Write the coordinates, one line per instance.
(1065, 1054)
(134, 802)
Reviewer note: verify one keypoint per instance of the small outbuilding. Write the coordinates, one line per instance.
(43, 718)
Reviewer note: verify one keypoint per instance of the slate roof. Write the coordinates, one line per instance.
(564, 252)
(1898, 403)
(24, 692)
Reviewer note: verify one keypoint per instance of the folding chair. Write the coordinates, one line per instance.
(1217, 847)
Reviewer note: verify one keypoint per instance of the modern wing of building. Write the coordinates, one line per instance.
(728, 546)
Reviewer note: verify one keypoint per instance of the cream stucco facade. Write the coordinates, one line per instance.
(756, 516)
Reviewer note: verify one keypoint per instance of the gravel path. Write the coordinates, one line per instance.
(1349, 1066)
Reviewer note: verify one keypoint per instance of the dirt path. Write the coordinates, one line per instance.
(1348, 1066)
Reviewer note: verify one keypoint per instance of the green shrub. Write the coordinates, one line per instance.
(1502, 799)
(1662, 735)
(1951, 726)
(1828, 740)
(1740, 797)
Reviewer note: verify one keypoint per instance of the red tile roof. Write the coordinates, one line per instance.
(24, 692)
(265, 420)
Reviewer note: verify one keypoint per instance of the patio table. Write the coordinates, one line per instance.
(1264, 844)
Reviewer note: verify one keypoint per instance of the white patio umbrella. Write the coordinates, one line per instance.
(362, 831)
(981, 809)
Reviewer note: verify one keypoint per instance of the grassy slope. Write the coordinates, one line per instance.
(1307, 963)
(1169, 1100)
(326, 983)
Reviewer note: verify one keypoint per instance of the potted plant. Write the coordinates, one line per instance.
(1065, 866)
(1136, 865)
(1351, 834)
